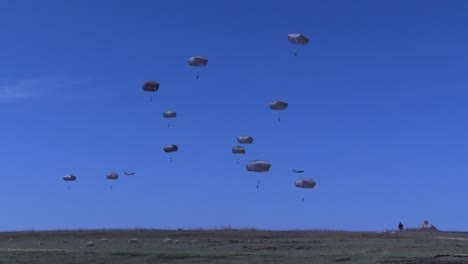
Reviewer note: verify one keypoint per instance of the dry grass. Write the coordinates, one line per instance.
(228, 245)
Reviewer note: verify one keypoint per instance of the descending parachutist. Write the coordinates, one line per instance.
(170, 148)
(297, 39)
(278, 106)
(197, 61)
(112, 176)
(169, 114)
(238, 150)
(304, 183)
(151, 86)
(69, 178)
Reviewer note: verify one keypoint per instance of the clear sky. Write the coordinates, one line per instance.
(377, 114)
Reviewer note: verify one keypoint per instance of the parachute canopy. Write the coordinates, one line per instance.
(298, 39)
(112, 176)
(238, 150)
(245, 139)
(197, 61)
(305, 183)
(169, 114)
(278, 105)
(150, 86)
(171, 148)
(426, 226)
(69, 178)
(258, 166)
(298, 171)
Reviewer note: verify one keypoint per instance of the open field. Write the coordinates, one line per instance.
(231, 246)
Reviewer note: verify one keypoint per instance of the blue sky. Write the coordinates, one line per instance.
(377, 114)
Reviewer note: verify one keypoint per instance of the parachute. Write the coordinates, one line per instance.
(151, 86)
(297, 39)
(238, 150)
(298, 171)
(112, 176)
(258, 166)
(69, 178)
(278, 105)
(169, 114)
(170, 148)
(197, 61)
(305, 183)
(245, 139)
(426, 226)
(129, 173)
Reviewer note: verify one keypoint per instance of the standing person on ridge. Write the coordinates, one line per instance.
(400, 226)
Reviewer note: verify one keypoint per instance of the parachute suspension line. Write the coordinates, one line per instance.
(199, 71)
(296, 51)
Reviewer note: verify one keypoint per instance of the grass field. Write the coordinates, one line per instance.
(231, 246)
